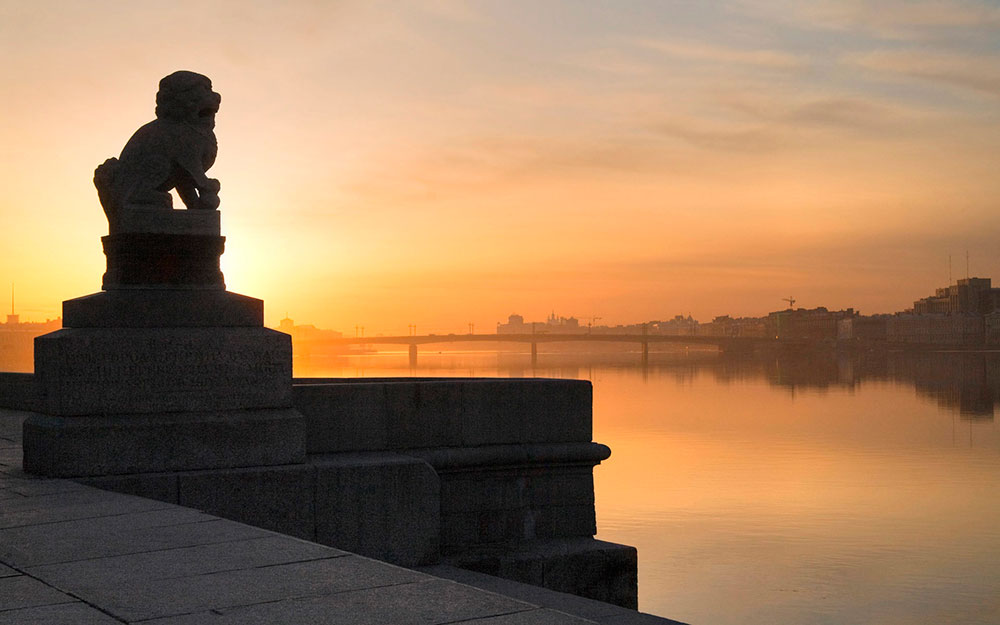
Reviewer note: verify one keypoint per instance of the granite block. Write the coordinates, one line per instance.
(163, 260)
(562, 486)
(76, 613)
(424, 414)
(343, 417)
(381, 505)
(561, 411)
(526, 411)
(494, 412)
(106, 371)
(160, 221)
(143, 443)
(275, 498)
(163, 308)
(562, 521)
(24, 592)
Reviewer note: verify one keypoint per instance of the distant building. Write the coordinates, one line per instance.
(936, 329)
(552, 325)
(861, 328)
(17, 341)
(306, 333)
(816, 323)
(968, 296)
(724, 325)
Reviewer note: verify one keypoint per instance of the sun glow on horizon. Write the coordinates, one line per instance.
(445, 163)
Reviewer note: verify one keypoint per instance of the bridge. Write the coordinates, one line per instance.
(724, 343)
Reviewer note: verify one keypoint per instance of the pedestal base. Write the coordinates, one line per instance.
(112, 371)
(164, 261)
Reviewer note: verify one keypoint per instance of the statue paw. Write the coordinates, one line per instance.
(209, 201)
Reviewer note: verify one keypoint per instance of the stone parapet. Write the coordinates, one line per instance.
(395, 414)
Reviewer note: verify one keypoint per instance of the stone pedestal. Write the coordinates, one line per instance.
(164, 370)
(158, 380)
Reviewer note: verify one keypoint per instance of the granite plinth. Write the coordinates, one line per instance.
(156, 260)
(155, 308)
(166, 221)
(109, 371)
(142, 443)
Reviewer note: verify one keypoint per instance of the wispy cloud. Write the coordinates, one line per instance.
(763, 124)
(453, 10)
(714, 53)
(889, 19)
(976, 73)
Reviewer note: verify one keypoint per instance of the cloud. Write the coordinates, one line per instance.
(889, 19)
(724, 137)
(765, 124)
(975, 73)
(452, 10)
(699, 51)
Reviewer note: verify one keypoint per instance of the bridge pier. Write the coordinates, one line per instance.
(645, 353)
(413, 354)
(534, 354)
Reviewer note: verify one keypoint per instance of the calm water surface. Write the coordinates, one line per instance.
(785, 490)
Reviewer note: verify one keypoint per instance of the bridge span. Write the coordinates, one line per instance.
(724, 343)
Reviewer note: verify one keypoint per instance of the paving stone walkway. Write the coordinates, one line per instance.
(76, 555)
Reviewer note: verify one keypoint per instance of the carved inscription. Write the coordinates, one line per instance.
(151, 370)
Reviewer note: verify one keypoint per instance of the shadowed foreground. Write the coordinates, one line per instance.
(78, 555)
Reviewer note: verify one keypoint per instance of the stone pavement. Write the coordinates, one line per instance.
(81, 556)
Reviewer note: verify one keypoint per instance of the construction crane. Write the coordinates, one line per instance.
(790, 300)
(591, 323)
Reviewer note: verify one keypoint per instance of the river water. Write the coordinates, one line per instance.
(811, 489)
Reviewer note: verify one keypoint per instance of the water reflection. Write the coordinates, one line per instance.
(967, 383)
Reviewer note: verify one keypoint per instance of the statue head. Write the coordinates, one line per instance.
(187, 97)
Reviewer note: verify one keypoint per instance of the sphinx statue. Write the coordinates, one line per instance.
(174, 151)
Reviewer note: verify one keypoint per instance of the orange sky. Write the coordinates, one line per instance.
(440, 163)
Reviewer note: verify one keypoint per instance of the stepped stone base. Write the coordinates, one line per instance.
(161, 308)
(122, 444)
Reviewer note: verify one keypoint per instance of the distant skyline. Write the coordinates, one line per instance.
(444, 163)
